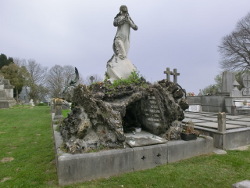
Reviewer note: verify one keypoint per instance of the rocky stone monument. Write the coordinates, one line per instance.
(109, 115)
(119, 66)
(6, 93)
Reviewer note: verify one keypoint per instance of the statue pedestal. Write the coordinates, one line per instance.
(119, 68)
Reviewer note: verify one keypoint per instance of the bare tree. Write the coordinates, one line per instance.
(20, 62)
(36, 80)
(235, 48)
(59, 77)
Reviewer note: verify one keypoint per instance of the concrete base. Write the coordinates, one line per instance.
(88, 166)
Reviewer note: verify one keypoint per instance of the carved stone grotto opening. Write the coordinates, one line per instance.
(133, 117)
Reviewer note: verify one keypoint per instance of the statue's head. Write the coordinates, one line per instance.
(124, 9)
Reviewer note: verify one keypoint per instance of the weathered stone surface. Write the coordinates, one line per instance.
(6, 93)
(119, 68)
(103, 113)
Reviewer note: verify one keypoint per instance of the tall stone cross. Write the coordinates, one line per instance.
(175, 74)
(168, 73)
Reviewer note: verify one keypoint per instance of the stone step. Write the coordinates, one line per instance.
(151, 97)
(154, 119)
(152, 111)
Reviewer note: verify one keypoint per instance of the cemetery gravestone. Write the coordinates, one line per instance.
(58, 108)
(227, 82)
(246, 83)
(6, 93)
(235, 92)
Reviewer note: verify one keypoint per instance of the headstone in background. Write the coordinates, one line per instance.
(235, 92)
(31, 102)
(24, 95)
(227, 82)
(6, 93)
(58, 108)
(246, 83)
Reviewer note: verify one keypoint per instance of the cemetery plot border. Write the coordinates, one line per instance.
(72, 168)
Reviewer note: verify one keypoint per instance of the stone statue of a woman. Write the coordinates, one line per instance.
(119, 66)
(123, 22)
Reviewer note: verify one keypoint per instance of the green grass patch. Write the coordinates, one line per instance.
(26, 141)
(65, 113)
(26, 136)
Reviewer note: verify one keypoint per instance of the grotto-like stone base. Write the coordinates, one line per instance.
(104, 112)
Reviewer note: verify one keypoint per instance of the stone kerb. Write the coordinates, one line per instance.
(72, 168)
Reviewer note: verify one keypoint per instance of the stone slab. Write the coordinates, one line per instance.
(193, 120)
(242, 184)
(143, 138)
(209, 120)
(215, 125)
(238, 123)
(220, 152)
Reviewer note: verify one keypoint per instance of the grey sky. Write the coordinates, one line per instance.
(182, 34)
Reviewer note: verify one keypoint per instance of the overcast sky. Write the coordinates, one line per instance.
(182, 34)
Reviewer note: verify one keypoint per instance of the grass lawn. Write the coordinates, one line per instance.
(27, 159)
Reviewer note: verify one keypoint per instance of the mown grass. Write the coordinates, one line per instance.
(26, 136)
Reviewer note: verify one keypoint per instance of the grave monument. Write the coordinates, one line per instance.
(230, 100)
(122, 124)
(6, 93)
(132, 113)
